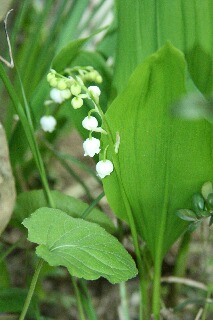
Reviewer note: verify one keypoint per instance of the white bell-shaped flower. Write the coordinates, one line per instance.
(48, 123)
(91, 147)
(94, 91)
(55, 95)
(90, 123)
(104, 168)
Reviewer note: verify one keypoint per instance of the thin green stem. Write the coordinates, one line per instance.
(124, 301)
(10, 249)
(93, 204)
(180, 265)
(31, 290)
(144, 305)
(142, 274)
(204, 315)
(156, 288)
(86, 300)
(70, 158)
(159, 247)
(78, 298)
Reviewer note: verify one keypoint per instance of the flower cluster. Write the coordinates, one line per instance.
(71, 86)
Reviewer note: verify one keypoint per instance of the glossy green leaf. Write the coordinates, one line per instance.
(187, 215)
(162, 160)
(206, 189)
(85, 248)
(186, 24)
(28, 202)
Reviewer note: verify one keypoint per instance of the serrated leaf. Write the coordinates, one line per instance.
(85, 248)
(162, 160)
(187, 215)
(28, 202)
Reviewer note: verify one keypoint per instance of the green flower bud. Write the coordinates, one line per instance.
(53, 82)
(92, 75)
(75, 89)
(66, 94)
(98, 79)
(77, 102)
(50, 76)
(62, 84)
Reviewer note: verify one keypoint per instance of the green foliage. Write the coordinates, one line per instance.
(28, 202)
(12, 300)
(86, 249)
(161, 159)
(186, 24)
(65, 56)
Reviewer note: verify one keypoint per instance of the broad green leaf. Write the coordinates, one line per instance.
(162, 160)
(28, 202)
(148, 24)
(69, 52)
(85, 248)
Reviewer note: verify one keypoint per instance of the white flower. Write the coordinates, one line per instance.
(48, 123)
(90, 123)
(104, 168)
(55, 95)
(58, 96)
(91, 147)
(95, 91)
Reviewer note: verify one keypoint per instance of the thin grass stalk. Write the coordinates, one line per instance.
(92, 205)
(31, 290)
(78, 298)
(180, 266)
(70, 158)
(86, 300)
(124, 301)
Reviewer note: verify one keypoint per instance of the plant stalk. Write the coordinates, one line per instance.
(31, 290)
(78, 298)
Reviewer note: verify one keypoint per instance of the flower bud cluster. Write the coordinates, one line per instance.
(85, 73)
(90, 74)
(72, 86)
